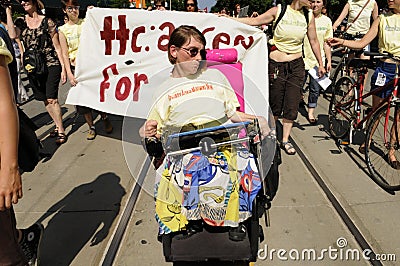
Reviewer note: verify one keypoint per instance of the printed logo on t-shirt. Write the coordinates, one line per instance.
(189, 91)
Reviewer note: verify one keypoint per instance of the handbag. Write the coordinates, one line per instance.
(29, 145)
(34, 60)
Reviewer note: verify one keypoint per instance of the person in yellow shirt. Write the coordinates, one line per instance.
(359, 14)
(16, 248)
(195, 97)
(10, 178)
(323, 26)
(387, 28)
(286, 65)
(361, 23)
(69, 35)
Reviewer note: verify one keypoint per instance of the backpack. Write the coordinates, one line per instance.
(34, 59)
(271, 28)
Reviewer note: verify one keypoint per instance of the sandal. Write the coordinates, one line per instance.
(362, 149)
(53, 133)
(394, 164)
(288, 148)
(312, 121)
(61, 138)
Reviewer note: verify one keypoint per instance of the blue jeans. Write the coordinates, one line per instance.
(314, 90)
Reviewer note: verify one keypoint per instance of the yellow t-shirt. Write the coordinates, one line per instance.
(197, 100)
(389, 33)
(4, 51)
(362, 23)
(72, 33)
(323, 25)
(291, 30)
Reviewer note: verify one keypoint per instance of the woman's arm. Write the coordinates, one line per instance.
(263, 19)
(312, 37)
(10, 179)
(10, 24)
(358, 44)
(64, 52)
(244, 117)
(342, 15)
(375, 12)
(56, 43)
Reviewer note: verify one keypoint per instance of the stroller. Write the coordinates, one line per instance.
(201, 234)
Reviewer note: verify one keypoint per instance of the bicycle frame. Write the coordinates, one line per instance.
(358, 89)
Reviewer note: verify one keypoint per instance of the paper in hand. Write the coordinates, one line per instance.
(324, 82)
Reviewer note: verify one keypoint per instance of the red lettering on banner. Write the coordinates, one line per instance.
(171, 27)
(124, 84)
(120, 94)
(221, 38)
(104, 85)
(241, 39)
(122, 34)
(135, 34)
(208, 30)
(107, 34)
(139, 78)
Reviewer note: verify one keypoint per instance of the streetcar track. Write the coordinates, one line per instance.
(112, 250)
(360, 239)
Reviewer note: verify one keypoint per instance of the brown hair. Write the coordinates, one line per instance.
(182, 35)
(64, 3)
(39, 5)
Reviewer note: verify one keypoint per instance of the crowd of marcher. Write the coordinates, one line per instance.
(301, 40)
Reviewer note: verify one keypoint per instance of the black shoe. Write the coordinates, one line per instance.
(31, 237)
(238, 233)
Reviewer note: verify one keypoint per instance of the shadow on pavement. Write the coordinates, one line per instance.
(84, 215)
(124, 128)
(44, 118)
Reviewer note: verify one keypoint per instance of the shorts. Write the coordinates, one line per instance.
(46, 86)
(10, 250)
(389, 71)
(285, 83)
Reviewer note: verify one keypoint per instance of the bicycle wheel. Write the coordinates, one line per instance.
(383, 135)
(341, 110)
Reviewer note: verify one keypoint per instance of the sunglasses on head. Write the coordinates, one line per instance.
(194, 51)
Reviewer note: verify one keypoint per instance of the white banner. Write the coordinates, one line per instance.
(122, 57)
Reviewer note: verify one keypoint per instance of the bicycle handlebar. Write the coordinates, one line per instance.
(338, 49)
(378, 55)
(347, 36)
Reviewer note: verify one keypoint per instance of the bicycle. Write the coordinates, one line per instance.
(342, 68)
(381, 124)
